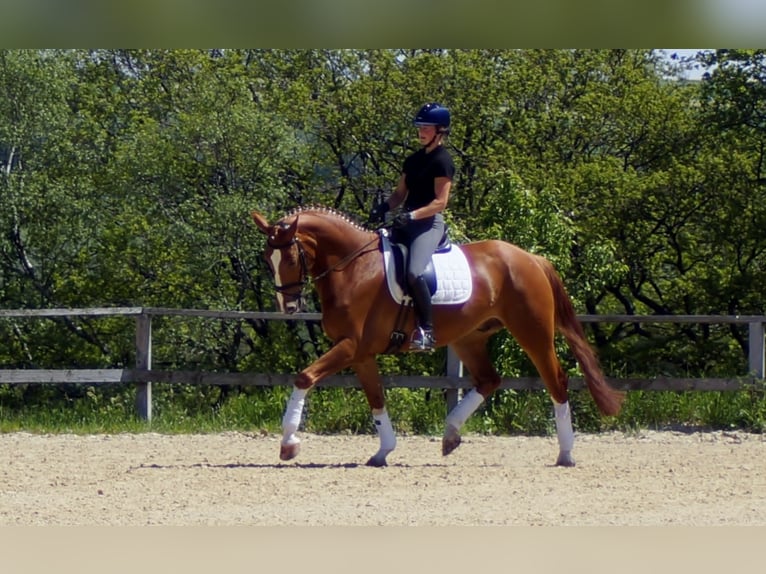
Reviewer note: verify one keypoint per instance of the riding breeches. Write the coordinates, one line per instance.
(422, 236)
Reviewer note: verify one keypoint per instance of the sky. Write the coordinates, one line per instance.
(693, 74)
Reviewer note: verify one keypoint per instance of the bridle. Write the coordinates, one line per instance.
(304, 270)
(304, 277)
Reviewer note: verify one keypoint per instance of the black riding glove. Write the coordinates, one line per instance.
(403, 219)
(378, 212)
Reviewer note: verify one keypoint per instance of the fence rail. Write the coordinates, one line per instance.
(143, 375)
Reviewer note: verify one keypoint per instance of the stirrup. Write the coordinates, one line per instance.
(422, 340)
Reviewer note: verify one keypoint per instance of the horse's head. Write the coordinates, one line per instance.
(287, 260)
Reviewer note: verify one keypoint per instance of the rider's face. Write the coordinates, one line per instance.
(426, 134)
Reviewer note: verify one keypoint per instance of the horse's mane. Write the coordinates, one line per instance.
(323, 211)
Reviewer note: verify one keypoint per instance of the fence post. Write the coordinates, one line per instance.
(756, 349)
(144, 361)
(454, 369)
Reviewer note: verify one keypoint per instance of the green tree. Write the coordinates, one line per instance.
(128, 177)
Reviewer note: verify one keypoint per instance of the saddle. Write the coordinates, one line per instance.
(448, 275)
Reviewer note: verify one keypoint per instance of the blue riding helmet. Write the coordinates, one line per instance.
(433, 114)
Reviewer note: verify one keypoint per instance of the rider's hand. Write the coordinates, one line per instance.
(403, 219)
(378, 212)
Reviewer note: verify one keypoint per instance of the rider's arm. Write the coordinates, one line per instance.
(442, 187)
(399, 194)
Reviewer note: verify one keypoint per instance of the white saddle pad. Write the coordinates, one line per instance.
(453, 276)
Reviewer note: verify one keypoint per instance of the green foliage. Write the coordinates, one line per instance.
(127, 178)
(337, 411)
(185, 409)
(513, 412)
(68, 408)
(417, 411)
(715, 410)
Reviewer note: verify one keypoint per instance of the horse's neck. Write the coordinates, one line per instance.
(335, 240)
(341, 259)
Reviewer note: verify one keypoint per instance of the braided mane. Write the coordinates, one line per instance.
(321, 210)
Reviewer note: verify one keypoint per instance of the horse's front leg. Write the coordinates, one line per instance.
(368, 375)
(337, 358)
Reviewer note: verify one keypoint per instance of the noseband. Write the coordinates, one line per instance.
(304, 272)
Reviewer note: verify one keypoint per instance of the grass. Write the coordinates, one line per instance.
(194, 409)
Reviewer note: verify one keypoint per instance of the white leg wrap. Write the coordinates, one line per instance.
(385, 430)
(292, 416)
(564, 426)
(464, 409)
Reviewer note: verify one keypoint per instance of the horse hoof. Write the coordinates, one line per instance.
(289, 451)
(378, 459)
(565, 459)
(450, 441)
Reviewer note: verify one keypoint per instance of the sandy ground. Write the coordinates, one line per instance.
(649, 478)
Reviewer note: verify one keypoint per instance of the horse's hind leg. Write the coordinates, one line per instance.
(368, 375)
(565, 433)
(475, 357)
(539, 345)
(556, 382)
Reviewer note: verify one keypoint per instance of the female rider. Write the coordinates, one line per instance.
(423, 189)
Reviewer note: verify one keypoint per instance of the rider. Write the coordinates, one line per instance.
(424, 188)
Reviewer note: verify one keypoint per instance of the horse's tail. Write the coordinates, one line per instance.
(608, 400)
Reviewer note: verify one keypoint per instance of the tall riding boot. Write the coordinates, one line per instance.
(422, 337)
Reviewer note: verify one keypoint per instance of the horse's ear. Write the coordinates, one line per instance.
(292, 228)
(261, 222)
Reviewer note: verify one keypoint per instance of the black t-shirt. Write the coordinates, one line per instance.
(420, 170)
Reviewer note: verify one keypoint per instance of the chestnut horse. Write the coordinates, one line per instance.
(511, 288)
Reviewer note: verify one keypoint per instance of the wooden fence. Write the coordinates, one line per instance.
(142, 375)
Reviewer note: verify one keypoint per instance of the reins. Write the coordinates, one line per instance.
(305, 275)
(345, 260)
